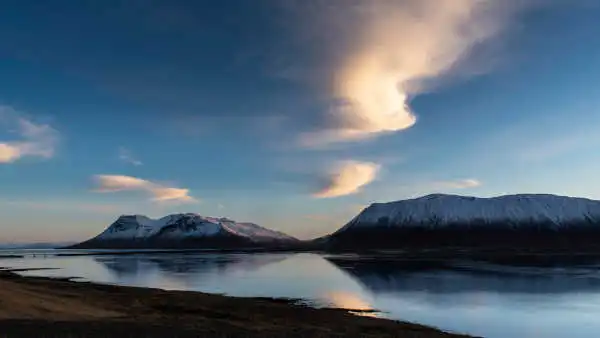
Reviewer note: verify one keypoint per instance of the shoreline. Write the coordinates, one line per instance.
(515, 257)
(49, 307)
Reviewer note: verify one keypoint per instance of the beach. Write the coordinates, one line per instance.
(39, 306)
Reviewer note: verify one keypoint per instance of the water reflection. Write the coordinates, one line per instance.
(483, 299)
(125, 266)
(480, 299)
(352, 301)
(199, 272)
(381, 275)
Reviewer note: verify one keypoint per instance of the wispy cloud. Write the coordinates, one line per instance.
(127, 156)
(347, 178)
(31, 139)
(457, 184)
(159, 192)
(391, 51)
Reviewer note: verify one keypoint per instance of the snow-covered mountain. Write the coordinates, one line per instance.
(513, 210)
(507, 217)
(185, 231)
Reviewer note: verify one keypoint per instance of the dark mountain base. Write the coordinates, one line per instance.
(500, 239)
(214, 242)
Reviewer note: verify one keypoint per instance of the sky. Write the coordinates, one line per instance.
(292, 114)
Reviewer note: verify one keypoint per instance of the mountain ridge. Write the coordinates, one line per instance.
(442, 209)
(453, 220)
(184, 230)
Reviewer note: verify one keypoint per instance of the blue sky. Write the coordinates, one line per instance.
(291, 114)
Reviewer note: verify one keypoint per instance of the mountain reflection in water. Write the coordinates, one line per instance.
(384, 275)
(207, 263)
(477, 298)
(480, 298)
(183, 272)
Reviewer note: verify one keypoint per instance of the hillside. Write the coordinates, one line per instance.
(182, 231)
(518, 221)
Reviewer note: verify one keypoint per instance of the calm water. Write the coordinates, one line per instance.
(479, 299)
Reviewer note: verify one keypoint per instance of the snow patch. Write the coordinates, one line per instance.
(181, 226)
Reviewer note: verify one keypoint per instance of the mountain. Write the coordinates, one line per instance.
(518, 221)
(184, 231)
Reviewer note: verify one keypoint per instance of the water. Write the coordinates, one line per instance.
(480, 299)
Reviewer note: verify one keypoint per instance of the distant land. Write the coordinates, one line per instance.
(512, 222)
(184, 231)
(35, 245)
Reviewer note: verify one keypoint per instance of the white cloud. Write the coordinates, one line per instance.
(458, 184)
(391, 51)
(159, 192)
(32, 140)
(347, 178)
(127, 156)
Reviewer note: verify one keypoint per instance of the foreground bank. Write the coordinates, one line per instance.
(33, 306)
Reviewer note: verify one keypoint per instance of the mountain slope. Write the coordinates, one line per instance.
(183, 231)
(434, 220)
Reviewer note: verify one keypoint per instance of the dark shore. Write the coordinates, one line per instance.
(45, 307)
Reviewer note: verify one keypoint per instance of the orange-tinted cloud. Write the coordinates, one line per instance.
(390, 51)
(159, 192)
(347, 178)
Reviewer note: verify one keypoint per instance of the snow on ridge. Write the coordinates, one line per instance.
(438, 210)
(185, 225)
(253, 230)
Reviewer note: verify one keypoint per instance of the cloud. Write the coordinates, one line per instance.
(347, 178)
(126, 156)
(32, 140)
(159, 192)
(458, 184)
(386, 52)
